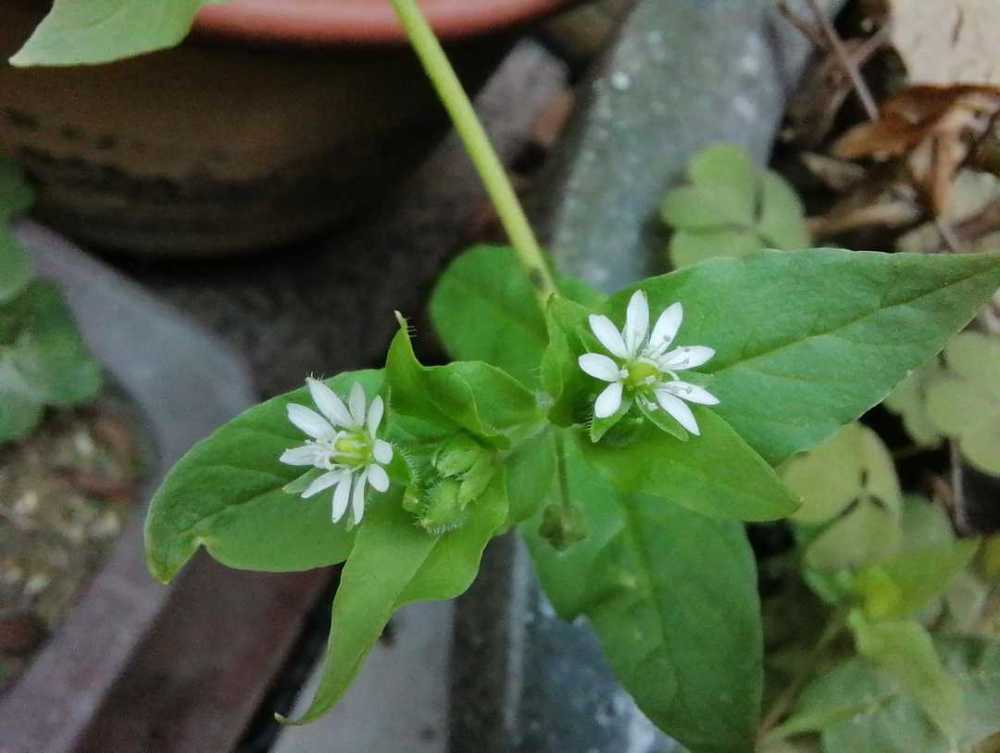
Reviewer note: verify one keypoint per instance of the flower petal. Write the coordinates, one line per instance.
(609, 401)
(375, 411)
(307, 454)
(309, 421)
(341, 497)
(382, 451)
(605, 331)
(358, 497)
(690, 392)
(356, 401)
(323, 482)
(378, 478)
(665, 329)
(686, 358)
(636, 323)
(600, 367)
(328, 403)
(677, 408)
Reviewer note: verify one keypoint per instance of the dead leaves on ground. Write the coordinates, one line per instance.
(933, 130)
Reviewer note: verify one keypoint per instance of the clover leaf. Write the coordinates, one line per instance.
(731, 209)
(965, 401)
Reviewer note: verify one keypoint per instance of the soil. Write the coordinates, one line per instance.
(65, 493)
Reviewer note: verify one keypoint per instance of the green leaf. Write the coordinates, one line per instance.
(906, 651)
(531, 474)
(852, 464)
(474, 396)
(808, 341)
(99, 31)
(965, 401)
(49, 354)
(731, 209)
(484, 309)
(226, 494)
(911, 580)
(860, 709)
(673, 597)
(716, 474)
(394, 563)
(43, 362)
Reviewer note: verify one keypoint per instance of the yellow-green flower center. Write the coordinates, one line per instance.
(641, 374)
(353, 449)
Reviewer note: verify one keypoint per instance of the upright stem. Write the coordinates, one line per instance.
(477, 144)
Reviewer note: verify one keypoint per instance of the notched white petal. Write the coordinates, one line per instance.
(356, 403)
(304, 455)
(693, 393)
(600, 367)
(690, 357)
(309, 421)
(382, 451)
(358, 497)
(636, 323)
(666, 327)
(341, 497)
(678, 409)
(378, 478)
(375, 411)
(609, 336)
(609, 401)
(331, 406)
(323, 482)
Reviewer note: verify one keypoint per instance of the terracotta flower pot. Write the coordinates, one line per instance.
(274, 121)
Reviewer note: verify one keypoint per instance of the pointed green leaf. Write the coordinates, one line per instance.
(394, 563)
(716, 474)
(484, 309)
(99, 31)
(673, 598)
(227, 494)
(471, 395)
(808, 341)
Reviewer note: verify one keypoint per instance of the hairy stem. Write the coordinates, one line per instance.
(477, 145)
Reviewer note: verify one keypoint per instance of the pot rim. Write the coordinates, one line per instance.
(318, 22)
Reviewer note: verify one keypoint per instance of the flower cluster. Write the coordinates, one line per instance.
(644, 368)
(344, 443)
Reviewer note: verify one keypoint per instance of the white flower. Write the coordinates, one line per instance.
(344, 443)
(644, 367)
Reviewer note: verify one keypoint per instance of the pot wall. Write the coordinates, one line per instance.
(210, 149)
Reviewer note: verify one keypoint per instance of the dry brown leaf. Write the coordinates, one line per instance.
(935, 128)
(947, 41)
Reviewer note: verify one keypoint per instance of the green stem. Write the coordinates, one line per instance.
(478, 146)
